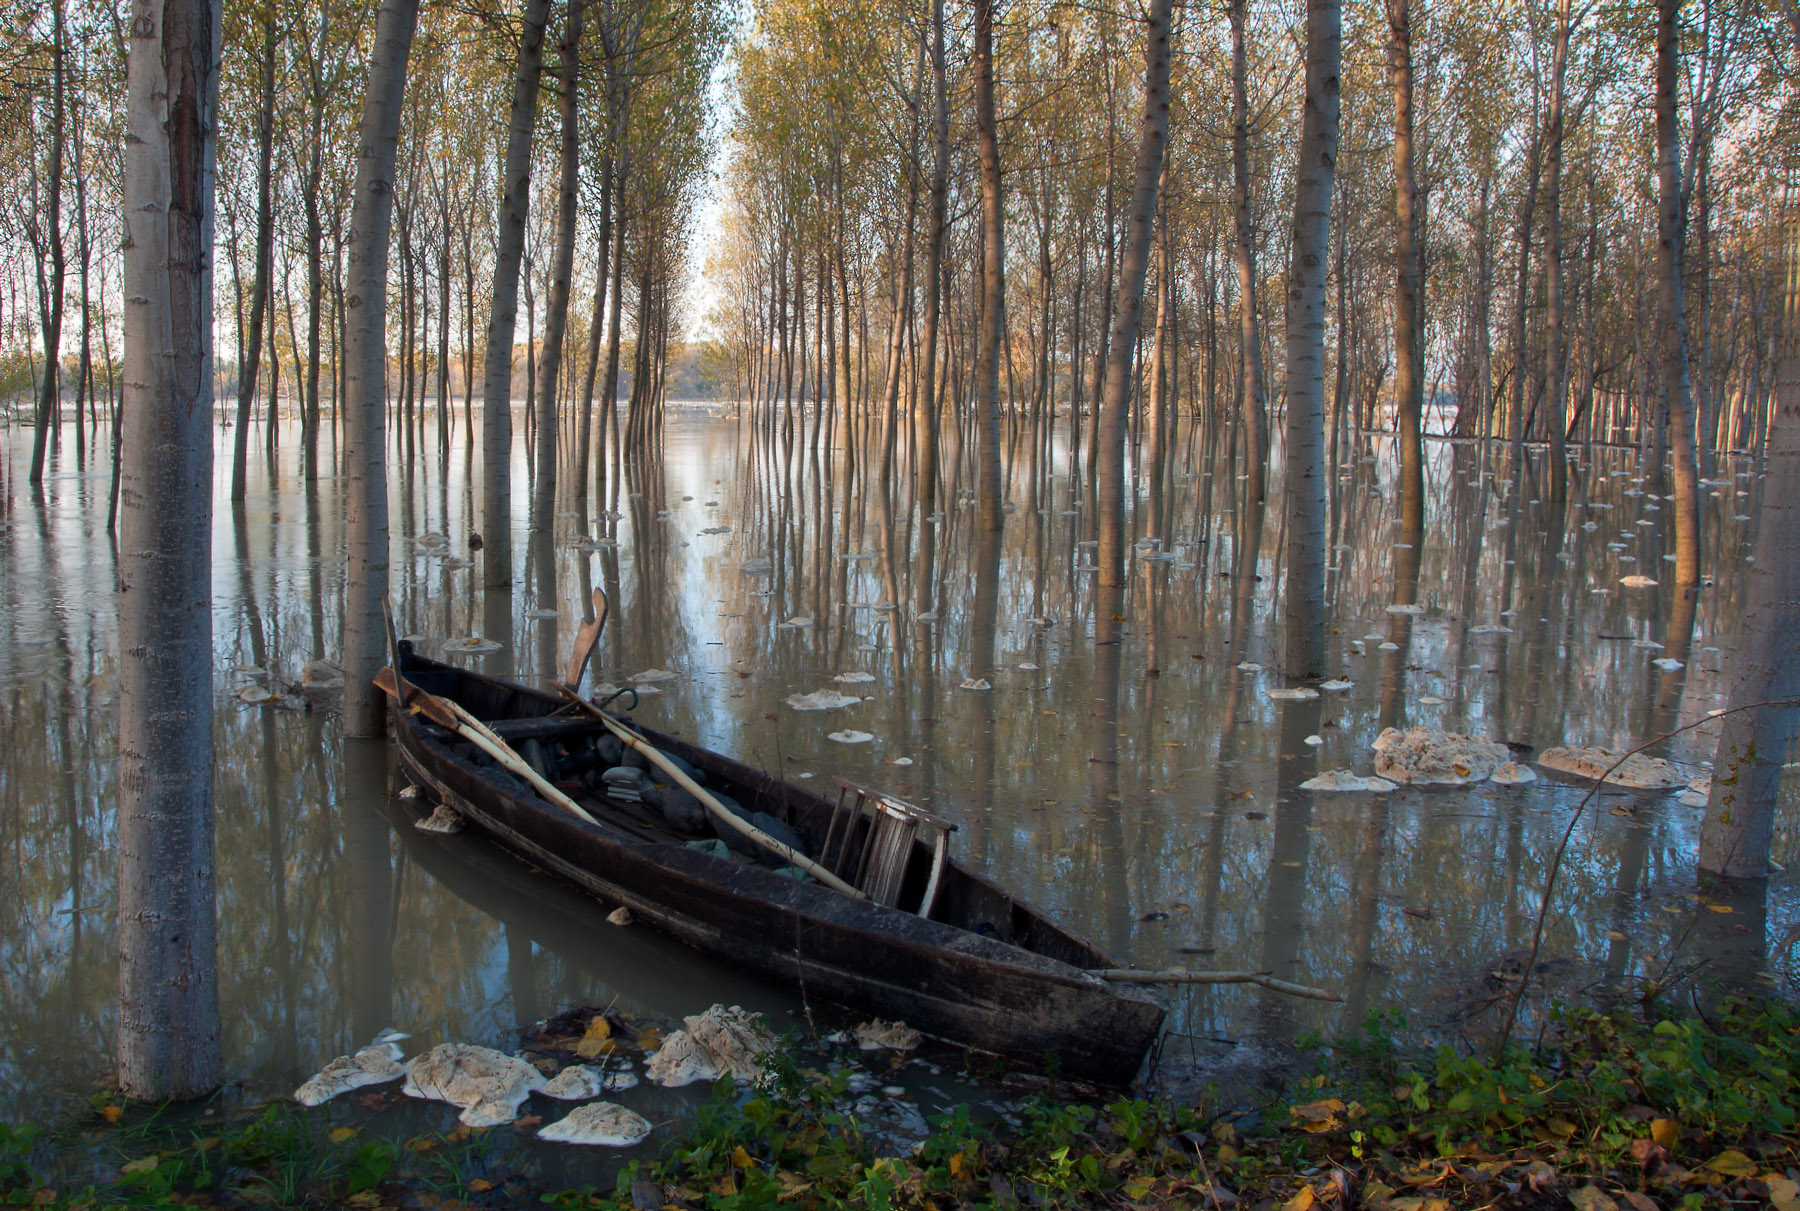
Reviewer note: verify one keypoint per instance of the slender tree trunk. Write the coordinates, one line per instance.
(365, 374)
(50, 398)
(1253, 395)
(496, 393)
(1304, 645)
(925, 413)
(1736, 833)
(1555, 390)
(265, 243)
(562, 266)
(1671, 320)
(993, 272)
(1128, 305)
(1409, 285)
(596, 331)
(168, 1032)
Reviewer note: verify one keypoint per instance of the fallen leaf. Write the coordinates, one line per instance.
(1665, 1131)
(1319, 1116)
(1784, 1193)
(1732, 1163)
(480, 1185)
(340, 1134)
(1592, 1198)
(1303, 1201)
(143, 1164)
(112, 1114)
(1638, 1202)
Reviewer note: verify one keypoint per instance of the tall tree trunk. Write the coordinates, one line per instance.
(1128, 305)
(925, 413)
(168, 1033)
(993, 273)
(1555, 391)
(265, 244)
(596, 330)
(1304, 645)
(1253, 395)
(1671, 319)
(1409, 283)
(365, 372)
(49, 398)
(1736, 833)
(562, 266)
(315, 293)
(496, 391)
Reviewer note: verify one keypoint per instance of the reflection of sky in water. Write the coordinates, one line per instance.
(1144, 790)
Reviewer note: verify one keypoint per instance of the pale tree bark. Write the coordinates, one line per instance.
(496, 379)
(168, 1033)
(1738, 828)
(265, 244)
(993, 274)
(1113, 557)
(1253, 395)
(1304, 623)
(1672, 341)
(925, 413)
(1409, 277)
(365, 371)
(1555, 391)
(562, 266)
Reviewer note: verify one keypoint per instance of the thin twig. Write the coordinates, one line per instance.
(1537, 933)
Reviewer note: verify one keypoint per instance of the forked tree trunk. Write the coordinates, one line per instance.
(1304, 646)
(993, 274)
(1128, 306)
(1409, 278)
(365, 371)
(496, 379)
(1671, 319)
(562, 268)
(168, 1034)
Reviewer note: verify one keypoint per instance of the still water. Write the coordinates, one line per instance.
(1115, 759)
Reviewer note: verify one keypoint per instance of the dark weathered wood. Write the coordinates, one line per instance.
(988, 971)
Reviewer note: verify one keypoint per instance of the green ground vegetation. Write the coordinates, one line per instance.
(1601, 1111)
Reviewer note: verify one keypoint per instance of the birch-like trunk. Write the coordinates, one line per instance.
(1736, 833)
(993, 274)
(1128, 305)
(496, 379)
(1253, 395)
(1409, 278)
(168, 1033)
(1672, 340)
(365, 370)
(1304, 647)
(562, 267)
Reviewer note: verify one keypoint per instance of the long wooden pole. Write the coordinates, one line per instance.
(718, 810)
(1131, 975)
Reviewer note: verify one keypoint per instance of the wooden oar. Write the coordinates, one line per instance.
(1131, 975)
(450, 715)
(718, 810)
(586, 636)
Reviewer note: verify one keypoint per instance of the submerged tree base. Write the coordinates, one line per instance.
(1604, 1111)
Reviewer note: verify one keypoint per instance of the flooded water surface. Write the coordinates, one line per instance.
(1116, 758)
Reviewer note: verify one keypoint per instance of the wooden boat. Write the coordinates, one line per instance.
(979, 967)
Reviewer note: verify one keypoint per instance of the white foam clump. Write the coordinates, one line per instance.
(1429, 756)
(443, 819)
(850, 736)
(1406, 607)
(797, 623)
(1304, 693)
(1638, 772)
(650, 675)
(878, 1035)
(1336, 685)
(1511, 773)
(1668, 664)
(976, 683)
(718, 1043)
(1344, 780)
(578, 1082)
(376, 1064)
(821, 700)
(488, 1086)
(606, 1124)
(1637, 582)
(854, 678)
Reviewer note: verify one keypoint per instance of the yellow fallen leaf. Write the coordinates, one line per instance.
(1784, 1193)
(340, 1134)
(1732, 1163)
(1665, 1131)
(598, 1039)
(480, 1185)
(649, 1038)
(143, 1164)
(1561, 1126)
(742, 1159)
(1303, 1201)
(1719, 907)
(112, 1114)
(1592, 1198)
(1316, 1117)
(206, 1143)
